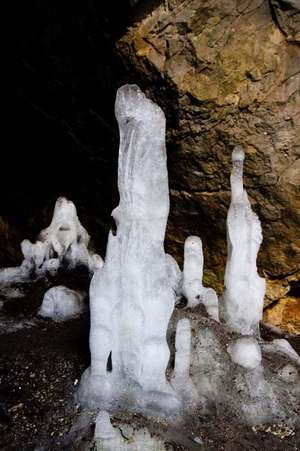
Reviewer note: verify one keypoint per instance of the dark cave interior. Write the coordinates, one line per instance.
(63, 137)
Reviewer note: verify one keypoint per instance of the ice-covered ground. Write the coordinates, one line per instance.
(218, 366)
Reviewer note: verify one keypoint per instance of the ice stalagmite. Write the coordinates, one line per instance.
(183, 349)
(192, 287)
(242, 304)
(64, 243)
(131, 297)
(181, 380)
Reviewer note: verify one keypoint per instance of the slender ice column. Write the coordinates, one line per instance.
(242, 303)
(192, 287)
(104, 429)
(181, 380)
(175, 277)
(132, 297)
(183, 349)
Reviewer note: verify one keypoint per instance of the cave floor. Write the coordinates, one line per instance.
(40, 365)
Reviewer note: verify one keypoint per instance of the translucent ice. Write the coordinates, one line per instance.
(193, 288)
(234, 379)
(108, 438)
(175, 277)
(22, 273)
(60, 303)
(66, 238)
(181, 380)
(183, 349)
(282, 346)
(132, 297)
(242, 304)
(245, 352)
(104, 429)
(65, 241)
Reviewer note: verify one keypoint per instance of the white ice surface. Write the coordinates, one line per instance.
(192, 287)
(282, 346)
(242, 304)
(245, 352)
(108, 438)
(65, 241)
(60, 303)
(175, 277)
(132, 297)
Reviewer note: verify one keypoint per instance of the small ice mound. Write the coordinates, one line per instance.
(282, 346)
(108, 438)
(104, 428)
(19, 274)
(60, 303)
(245, 352)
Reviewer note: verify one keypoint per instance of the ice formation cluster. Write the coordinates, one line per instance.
(146, 355)
(218, 365)
(64, 242)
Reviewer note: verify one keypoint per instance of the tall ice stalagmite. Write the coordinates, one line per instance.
(242, 304)
(131, 297)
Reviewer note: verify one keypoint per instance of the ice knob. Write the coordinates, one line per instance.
(238, 154)
(104, 429)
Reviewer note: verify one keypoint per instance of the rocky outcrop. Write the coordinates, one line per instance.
(285, 314)
(227, 73)
(287, 15)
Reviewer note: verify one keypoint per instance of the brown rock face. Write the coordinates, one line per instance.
(227, 73)
(285, 314)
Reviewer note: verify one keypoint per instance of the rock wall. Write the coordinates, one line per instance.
(227, 72)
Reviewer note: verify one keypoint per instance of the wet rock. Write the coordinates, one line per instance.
(287, 13)
(286, 314)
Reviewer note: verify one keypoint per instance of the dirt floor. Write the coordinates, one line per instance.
(40, 365)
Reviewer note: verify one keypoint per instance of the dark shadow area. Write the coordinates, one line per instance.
(62, 134)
